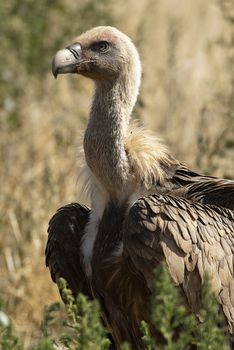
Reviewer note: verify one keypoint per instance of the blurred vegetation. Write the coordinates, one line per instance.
(187, 96)
(173, 326)
(32, 34)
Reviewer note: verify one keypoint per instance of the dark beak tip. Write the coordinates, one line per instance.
(54, 70)
(55, 74)
(65, 60)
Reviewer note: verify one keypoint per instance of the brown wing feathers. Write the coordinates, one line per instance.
(63, 247)
(204, 189)
(193, 238)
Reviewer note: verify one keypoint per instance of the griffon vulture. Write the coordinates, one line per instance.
(146, 206)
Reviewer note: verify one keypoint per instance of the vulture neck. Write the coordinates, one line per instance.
(106, 132)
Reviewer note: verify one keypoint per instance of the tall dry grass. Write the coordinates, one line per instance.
(187, 97)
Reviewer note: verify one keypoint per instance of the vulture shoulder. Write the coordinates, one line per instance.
(193, 239)
(159, 172)
(63, 257)
(203, 189)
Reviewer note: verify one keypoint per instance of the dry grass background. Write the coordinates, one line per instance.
(187, 97)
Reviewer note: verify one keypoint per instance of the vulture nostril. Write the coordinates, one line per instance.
(75, 49)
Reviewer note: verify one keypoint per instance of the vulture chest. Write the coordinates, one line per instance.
(122, 294)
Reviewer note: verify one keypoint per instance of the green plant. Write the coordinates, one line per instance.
(84, 320)
(8, 338)
(172, 326)
(176, 328)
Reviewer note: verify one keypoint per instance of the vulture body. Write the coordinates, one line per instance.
(146, 206)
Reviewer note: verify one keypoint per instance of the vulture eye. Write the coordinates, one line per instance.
(101, 46)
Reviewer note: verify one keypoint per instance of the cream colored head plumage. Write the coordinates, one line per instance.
(103, 54)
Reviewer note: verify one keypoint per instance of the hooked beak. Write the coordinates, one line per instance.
(66, 60)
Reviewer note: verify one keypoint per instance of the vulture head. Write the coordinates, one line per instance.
(102, 54)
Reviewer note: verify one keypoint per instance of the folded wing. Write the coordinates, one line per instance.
(202, 188)
(63, 257)
(193, 239)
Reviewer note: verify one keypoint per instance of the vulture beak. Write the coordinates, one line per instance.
(66, 60)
